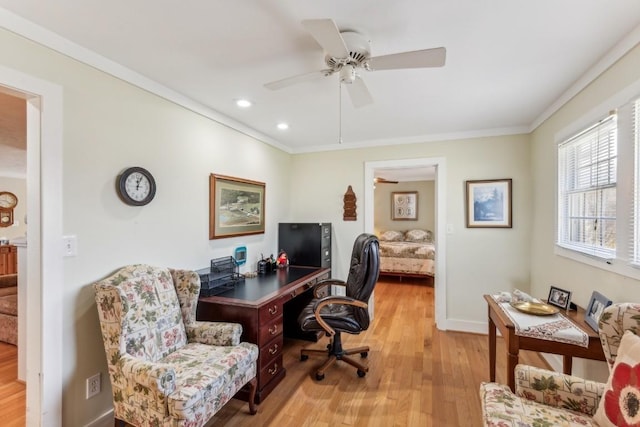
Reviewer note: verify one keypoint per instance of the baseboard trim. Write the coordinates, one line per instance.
(465, 326)
(104, 420)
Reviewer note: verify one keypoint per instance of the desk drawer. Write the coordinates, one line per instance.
(269, 352)
(270, 371)
(270, 311)
(270, 330)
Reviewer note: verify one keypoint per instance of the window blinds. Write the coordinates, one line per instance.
(587, 190)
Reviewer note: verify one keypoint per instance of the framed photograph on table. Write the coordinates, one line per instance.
(597, 303)
(488, 203)
(559, 297)
(236, 207)
(404, 205)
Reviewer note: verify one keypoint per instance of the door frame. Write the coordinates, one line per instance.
(44, 102)
(440, 165)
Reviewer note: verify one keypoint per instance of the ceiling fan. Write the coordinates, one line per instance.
(383, 181)
(348, 52)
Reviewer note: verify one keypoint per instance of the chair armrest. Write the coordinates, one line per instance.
(214, 333)
(323, 284)
(158, 377)
(558, 390)
(333, 300)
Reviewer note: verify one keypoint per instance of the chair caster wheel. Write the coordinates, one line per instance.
(364, 354)
(303, 357)
(319, 377)
(361, 373)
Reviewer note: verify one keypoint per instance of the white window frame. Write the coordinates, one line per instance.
(627, 220)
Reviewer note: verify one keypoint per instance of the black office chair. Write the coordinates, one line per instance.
(335, 314)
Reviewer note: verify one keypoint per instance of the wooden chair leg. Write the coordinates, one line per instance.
(253, 386)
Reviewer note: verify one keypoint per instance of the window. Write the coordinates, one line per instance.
(587, 174)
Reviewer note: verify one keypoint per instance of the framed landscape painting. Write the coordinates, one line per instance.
(488, 203)
(236, 207)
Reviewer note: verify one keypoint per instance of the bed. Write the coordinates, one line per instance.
(410, 253)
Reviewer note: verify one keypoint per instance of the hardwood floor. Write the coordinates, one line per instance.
(12, 392)
(418, 375)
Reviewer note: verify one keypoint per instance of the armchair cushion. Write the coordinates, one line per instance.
(620, 405)
(557, 389)
(502, 408)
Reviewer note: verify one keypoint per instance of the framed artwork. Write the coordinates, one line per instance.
(488, 203)
(236, 207)
(597, 303)
(404, 205)
(559, 297)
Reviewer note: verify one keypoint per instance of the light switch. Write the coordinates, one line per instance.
(449, 228)
(69, 246)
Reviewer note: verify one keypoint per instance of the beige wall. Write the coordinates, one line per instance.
(108, 126)
(426, 206)
(547, 268)
(478, 261)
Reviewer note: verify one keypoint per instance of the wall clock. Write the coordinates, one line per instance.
(8, 200)
(136, 186)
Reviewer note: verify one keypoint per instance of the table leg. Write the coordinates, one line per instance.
(492, 349)
(512, 361)
(567, 364)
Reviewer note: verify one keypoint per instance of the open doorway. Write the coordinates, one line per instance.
(44, 276)
(436, 166)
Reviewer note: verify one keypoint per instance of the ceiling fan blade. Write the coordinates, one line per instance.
(384, 181)
(359, 93)
(415, 59)
(326, 33)
(301, 78)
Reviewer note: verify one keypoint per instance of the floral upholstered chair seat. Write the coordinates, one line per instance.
(545, 398)
(166, 368)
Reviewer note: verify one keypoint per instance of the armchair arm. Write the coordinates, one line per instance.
(319, 288)
(214, 333)
(158, 377)
(558, 390)
(333, 300)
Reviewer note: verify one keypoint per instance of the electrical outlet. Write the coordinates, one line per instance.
(93, 385)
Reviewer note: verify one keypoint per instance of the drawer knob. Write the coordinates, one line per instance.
(273, 330)
(273, 310)
(274, 370)
(274, 349)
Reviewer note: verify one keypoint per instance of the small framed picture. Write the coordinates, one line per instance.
(404, 205)
(559, 297)
(597, 303)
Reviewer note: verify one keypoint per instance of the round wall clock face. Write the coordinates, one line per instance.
(136, 186)
(8, 200)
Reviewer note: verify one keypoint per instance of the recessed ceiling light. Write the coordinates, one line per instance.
(283, 126)
(243, 103)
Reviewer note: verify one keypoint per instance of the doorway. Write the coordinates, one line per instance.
(439, 163)
(44, 236)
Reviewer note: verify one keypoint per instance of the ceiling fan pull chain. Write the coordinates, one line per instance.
(339, 112)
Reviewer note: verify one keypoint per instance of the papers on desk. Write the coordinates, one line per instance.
(555, 327)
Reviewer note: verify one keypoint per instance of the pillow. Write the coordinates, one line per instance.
(391, 236)
(418, 236)
(620, 403)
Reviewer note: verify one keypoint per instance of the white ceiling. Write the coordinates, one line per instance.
(508, 61)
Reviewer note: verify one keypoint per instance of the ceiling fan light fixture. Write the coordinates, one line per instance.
(347, 74)
(283, 126)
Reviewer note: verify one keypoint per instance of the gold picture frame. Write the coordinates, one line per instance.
(236, 207)
(404, 206)
(488, 203)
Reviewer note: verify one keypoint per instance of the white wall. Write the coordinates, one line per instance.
(426, 206)
(108, 126)
(548, 268)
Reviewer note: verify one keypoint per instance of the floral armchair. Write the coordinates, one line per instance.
(546, 398)
(166, 368)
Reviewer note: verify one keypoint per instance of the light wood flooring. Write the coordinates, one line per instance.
(418, 376)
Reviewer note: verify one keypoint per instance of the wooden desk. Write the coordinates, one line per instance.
(258, 305)
(514, 343)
